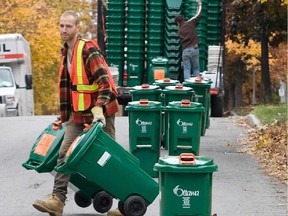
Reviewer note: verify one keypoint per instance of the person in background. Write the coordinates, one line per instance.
(189, 40)
(87, 94)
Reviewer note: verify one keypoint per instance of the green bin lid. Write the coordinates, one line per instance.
(166, 81)
(177, 89)
(198, 81)
(185, 163)
(144, 104)
(185, 105)
(145, 87)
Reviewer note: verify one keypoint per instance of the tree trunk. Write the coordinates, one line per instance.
(238, 83)
(265, 72)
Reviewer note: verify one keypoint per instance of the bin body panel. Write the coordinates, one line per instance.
(186, 189)
(202, 95)
(145, 134)
(188, 193)
(99, 158)
(183, 128)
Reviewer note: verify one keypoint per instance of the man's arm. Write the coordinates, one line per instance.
(198, 12)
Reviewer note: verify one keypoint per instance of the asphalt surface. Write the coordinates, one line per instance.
(240, 188)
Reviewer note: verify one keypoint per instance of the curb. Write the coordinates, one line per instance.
(253, 121)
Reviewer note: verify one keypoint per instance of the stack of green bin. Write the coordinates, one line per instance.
(43, 158)
(145, 133)
(184, 126)
(115, 36)
(214, 22)
(185, 185)
(190, 9)
(146, 91)
(172, 46)
(99, 158)
(202, 95)
(135, 41)
(155, 28)
(158, 69)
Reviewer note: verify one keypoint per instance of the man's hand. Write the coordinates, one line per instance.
(198, 2)
(57, 125)
(98, 115)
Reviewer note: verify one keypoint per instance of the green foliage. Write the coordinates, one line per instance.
(267, 114)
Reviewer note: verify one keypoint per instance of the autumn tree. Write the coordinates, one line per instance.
(261, 20)
(38, 22)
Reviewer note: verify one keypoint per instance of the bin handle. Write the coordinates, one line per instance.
(145, 86)
(143, 102)
(166, 80)
(185, 103)
(179, 86)
(187, 158)
(199, 79)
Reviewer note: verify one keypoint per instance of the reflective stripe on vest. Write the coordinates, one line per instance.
(81, 97)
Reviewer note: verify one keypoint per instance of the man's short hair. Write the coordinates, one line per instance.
(72, 13)
(179, 18)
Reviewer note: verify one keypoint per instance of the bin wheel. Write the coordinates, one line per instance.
(121, 208)
(135, 206)
(102, 202)
(82, 200)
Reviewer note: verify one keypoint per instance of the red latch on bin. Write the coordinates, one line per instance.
(187, 158)
(179, 86)
(145, 86)
(199, 79)
(166, 80)
(185, 102)
(144, 102)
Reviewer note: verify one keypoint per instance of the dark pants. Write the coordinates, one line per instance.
(72, 131)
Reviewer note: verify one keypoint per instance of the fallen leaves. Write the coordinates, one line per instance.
(269, 146)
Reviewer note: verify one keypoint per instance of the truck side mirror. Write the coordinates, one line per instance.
(28, 81)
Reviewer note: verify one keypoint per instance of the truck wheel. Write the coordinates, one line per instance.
(135, 206)
(102, 202)
(216, 106)
(82, 200)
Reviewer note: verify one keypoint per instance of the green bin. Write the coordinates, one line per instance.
(202, 95)
(177, 92)
(44, 152)
(185, 185)
(99, 158)
(145, 132)
(43, 158)
(184, 127)
(169, 94)
(146, 91)
(158, 69)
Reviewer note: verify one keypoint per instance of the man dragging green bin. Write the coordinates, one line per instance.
(89, 99)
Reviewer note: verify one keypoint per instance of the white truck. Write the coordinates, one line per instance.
(16, 92)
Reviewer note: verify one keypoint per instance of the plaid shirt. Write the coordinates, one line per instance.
(96, 70)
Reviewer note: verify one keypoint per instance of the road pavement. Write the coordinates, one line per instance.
(240, 188)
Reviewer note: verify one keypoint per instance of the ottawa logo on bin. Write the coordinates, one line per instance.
(184, 192)
(184, 124)
(139, 122)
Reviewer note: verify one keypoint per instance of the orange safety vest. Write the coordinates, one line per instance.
(81, 89)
